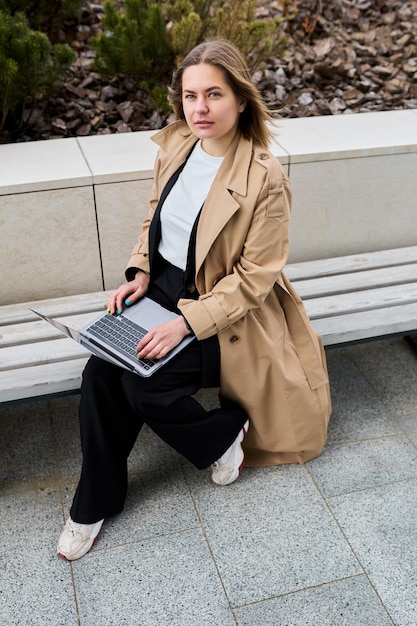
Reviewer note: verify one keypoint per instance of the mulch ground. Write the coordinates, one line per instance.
(342, 57)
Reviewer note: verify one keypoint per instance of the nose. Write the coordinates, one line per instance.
(202, 105)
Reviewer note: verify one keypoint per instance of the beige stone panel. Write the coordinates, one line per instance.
(329, 137)
(349, 206)
(49, 245)
(121, 209)
(120, 156)
(42, 165)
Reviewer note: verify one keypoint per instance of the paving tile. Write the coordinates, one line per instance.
(271, 533)
(208, 398)
(413, 438)
(275, 553)
(354, 466)
(35, 585)
(351, 602)
(408, 422)
(391, 368)
(166, 581)
(27, 454)
(380, 525)
(157, 503)
(67, 436)
(358, 413)
(149, 453)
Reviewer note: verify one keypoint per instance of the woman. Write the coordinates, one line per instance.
(213, 249)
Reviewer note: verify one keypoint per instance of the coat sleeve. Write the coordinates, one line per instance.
(263, 254)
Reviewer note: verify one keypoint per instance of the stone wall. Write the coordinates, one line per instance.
(70, 209)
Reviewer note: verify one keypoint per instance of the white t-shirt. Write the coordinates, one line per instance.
(183, 204)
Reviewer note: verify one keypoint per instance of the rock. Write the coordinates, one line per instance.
(84, 130)
(74, 124)
(83, 32)
(121, 127)
(97, 8)
(125, 110)
(389, 18)
(337, 105)
(155, 121)
(384, 70)
(350, 94)
(305, 98)
(280, 92)
(58, 125)
(77, 91)
(323, 47)
(109, 92)
(410, 67)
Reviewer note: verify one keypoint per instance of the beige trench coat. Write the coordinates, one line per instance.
(272, 362)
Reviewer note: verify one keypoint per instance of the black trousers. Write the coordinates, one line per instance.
(115, 403)
(114, 406)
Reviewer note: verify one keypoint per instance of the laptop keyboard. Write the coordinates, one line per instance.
(122, 333)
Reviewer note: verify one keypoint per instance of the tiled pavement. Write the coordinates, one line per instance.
(331, 543)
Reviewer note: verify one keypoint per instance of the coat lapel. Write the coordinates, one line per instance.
(232, 176)
(217, 211)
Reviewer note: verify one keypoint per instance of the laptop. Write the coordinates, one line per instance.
(115, 337)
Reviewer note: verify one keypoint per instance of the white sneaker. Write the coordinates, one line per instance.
(77, 539)
(226, 469)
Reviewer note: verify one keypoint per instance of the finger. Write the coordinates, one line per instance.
(143, 344)
(119, 304)
(122, 296)
(156, 353)
(134, 297)
(152, 348)
(111, 303)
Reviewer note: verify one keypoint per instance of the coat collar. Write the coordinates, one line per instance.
(233, 172)
(177, 140)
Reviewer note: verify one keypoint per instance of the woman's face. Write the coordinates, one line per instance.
(211, 107)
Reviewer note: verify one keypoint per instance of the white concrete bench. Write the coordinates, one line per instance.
(349, 299)
(36, 359)
(359, 297)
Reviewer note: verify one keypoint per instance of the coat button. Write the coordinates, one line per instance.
(191, 287)
(234, 338)
(264, 156)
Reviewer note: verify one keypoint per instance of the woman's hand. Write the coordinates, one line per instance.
(128, 293)
(161, 339)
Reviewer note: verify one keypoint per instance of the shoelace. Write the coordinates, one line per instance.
(74, 527)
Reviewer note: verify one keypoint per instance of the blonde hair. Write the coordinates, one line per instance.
(225, 56)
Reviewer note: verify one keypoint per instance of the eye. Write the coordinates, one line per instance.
(214, 94)
(189, 96)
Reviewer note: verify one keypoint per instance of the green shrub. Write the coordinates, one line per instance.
(147, 38)
(29, 66)
(187, 26)
(234, 20)
(134, 43)
(43, 15)
(257, 39)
